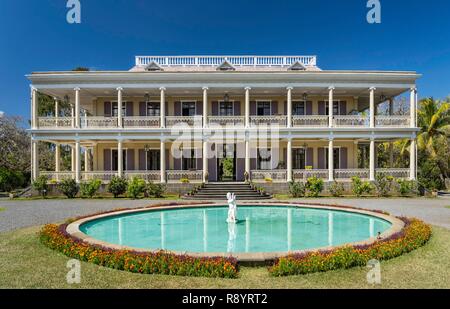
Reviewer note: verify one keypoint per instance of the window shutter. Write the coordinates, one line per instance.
(237, 108)
(177, 108)
(310, 157)
(285, 108)
(199, 158)
(215, 108)
(130, 160)
(285, 158)
(129, 109)
(321, 107)
(167, 152)
(107, 109)
(308, 108)
(142, 159)
(343, 107)
(142, 109)
(212, 164)
(274, 108)
(199, 108)
(253, 158)
(321, 158)
(177, 164)
(253, 108)
(107, 160)
(343, 164)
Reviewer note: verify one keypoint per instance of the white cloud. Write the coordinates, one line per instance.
(2, 114)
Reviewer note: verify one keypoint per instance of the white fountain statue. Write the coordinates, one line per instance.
(232, 210)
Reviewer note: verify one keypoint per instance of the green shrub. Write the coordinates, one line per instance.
(336, 189)
(184, 180)
(156, 190)
(297, 189)
(136, 187)
(383, 184)
(406, 187)
(90, 188)
(314, 186)
(40, 185)
(11, 180)
(117, 186)
(360, 187)
(69, 188)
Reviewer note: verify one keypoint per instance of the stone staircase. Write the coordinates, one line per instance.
(218, 191)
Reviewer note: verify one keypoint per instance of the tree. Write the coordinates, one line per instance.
(14, 145)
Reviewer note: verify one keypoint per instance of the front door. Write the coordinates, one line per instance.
(226, 163)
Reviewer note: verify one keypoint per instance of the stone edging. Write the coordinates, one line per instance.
(262, 257)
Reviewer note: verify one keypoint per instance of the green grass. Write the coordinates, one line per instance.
(447, 207)
(166, 197)
(25, 263)
(2, 209)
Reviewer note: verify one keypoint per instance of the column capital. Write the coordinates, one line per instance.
(331, 88)
(119, 89)
(413, 89)
(205, 88)
(247, 88)
(372, 88)
(77, 88)
(162, 88)
(289, 88)
(32, 88)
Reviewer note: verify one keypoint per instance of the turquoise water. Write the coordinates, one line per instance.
(260, 229)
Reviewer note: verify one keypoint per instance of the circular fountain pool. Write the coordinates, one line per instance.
(261, 229)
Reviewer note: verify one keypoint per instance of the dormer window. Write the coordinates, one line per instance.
(226, 66)
(153, 66)
(297, 66)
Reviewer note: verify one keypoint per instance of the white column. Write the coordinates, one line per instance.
(77, 108)
(56, 111)
(205, 107)
(330, 160)
(77, 161)
(289, 160)
(119, 107)
(330, 106)
(72, 116)
(72, 157)
(289, 107)
(372, 107)
(247, 107)
(247, 158)
(34, 108)
(86, 160)
(163, 107)
(163, 161)
(391, 144)
(35, 159)
(412, 108)
(120, 158)
(372, 161)
(205, 161)
(412, 160)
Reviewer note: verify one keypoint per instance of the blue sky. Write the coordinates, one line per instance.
(414, 35)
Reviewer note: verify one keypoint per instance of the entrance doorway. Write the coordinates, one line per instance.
(226, 163)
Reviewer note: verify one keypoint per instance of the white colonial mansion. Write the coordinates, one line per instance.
(172, 118)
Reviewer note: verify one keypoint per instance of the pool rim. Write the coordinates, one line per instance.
(74, 230)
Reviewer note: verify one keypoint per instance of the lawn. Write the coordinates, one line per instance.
(167, 197)
(25, 263)
(2, 209)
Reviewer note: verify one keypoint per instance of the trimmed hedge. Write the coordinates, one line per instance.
(414, 235)
(55, 237)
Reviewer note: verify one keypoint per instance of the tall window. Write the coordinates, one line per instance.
(153, 160)
(226, 109)
(335, 108)
(299, 159)
(153, 109)
(189, 162)
(298, 108)
(115, 109)
(264, 159)
(336, 160)
(188, 108)
(115, 160)
(263, 108)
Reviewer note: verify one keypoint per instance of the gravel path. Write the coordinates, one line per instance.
(19, 214)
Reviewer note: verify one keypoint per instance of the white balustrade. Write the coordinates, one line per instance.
(55, 122)
(153, 176)
(351, 121)
(395, 172)
(268, 175)
(281, 61)
(268, 120)
(393, 121)
(349, 173)
(191, 121)
(57, 176)
(98, 122)
(142, 122)
(236, 121)
(104, 176)
(303, 175)
(191, 176)
(313, 121)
